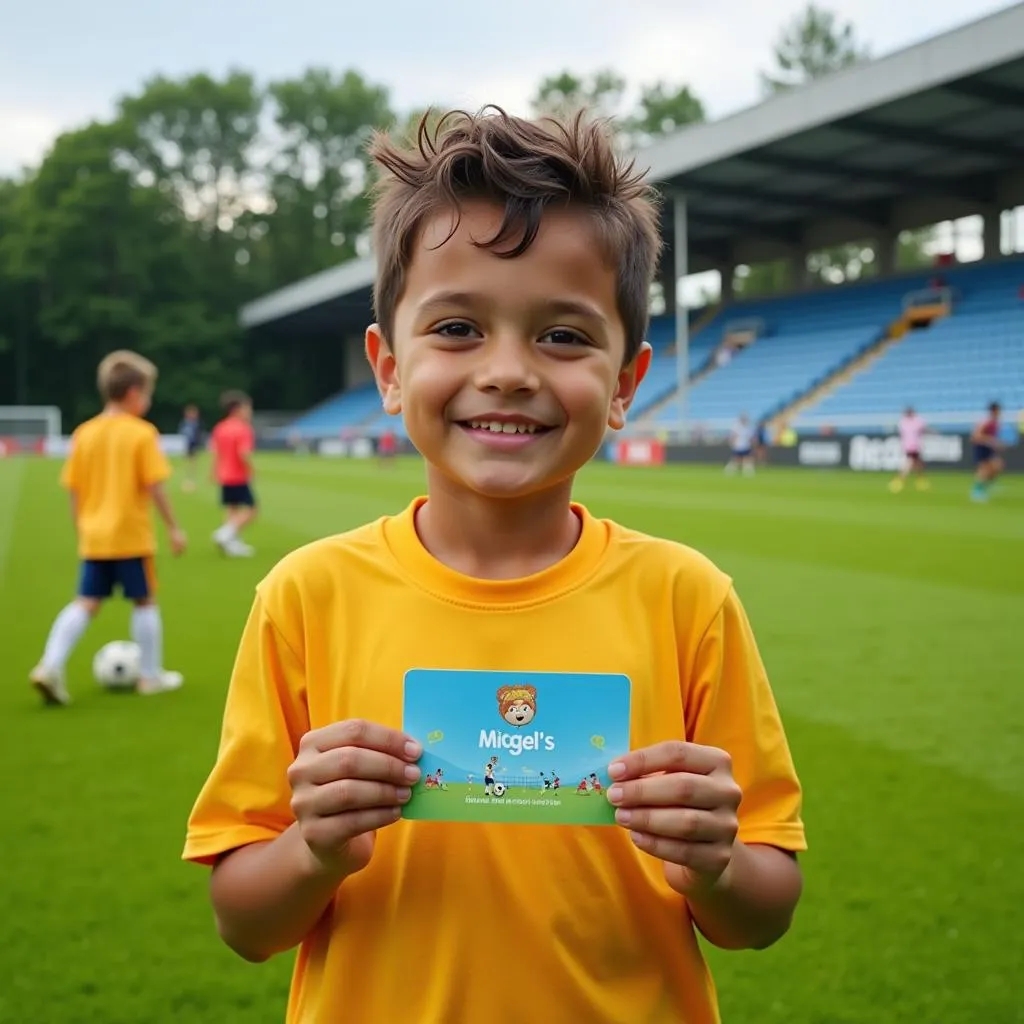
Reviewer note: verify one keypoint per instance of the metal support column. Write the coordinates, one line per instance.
(680, 243)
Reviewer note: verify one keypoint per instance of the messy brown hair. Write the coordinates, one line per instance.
(527, 167)
(121, 371)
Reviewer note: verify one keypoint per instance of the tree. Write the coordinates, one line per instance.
(565, 94)
(106, 263)
(662, 110)
(320, 172)
(813, 44)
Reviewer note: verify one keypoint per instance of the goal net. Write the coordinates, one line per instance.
(25, 424)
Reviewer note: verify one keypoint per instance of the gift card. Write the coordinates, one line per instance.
(516, 747)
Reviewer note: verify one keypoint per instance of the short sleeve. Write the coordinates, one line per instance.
(71, 471)
(247, 441)
(246, 798)
(153, 465)
(730, 705)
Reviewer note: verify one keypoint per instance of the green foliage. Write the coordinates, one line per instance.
(812, 45)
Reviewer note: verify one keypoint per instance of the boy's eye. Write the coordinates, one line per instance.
(455, 329)
(563, 336)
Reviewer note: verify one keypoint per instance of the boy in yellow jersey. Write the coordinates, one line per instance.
(514, 262)
(114, 470)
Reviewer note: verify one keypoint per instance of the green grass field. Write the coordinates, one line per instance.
(893, 629)
(517, 804)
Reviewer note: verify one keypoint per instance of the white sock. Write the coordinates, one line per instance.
(148, 633)
(66, 631)
(226, 533)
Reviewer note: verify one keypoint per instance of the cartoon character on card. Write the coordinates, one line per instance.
(517, 704)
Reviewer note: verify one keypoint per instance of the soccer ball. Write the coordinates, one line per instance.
(117, 665)
(499, 789)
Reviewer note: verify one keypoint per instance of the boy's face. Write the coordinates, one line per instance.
(534, 344)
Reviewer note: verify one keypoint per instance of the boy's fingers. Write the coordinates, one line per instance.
(670, 756)
(357, 732)
(350, 795)
(673, 823)
(357, 763)
(677, 789)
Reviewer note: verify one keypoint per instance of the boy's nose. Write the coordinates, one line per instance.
(505, 366)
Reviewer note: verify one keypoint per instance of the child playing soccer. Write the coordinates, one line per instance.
(912, 427)
(514, 265)
(232, 443)
(988, 458)
(192, 431)
(114, 470)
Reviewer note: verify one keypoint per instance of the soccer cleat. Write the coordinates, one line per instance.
(896, 485)
(51, 685)
(923, 485)
(238, 549)
(164, 683)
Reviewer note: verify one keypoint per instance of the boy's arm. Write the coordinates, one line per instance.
(268, 896)
(751, 905)
(730, 707)
(163, 506)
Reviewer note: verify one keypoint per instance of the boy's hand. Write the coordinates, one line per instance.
(680, 802)
(349, 779)
(178, 541)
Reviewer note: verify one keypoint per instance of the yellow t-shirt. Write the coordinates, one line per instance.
(499, 923)
(114, 460)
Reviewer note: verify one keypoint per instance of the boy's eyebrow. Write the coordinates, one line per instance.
(557, 306)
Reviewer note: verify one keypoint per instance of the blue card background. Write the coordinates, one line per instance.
(570, 707)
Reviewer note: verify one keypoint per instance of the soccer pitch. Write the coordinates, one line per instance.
(893, 631)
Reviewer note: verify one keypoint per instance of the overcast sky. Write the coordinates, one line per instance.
(64, 62)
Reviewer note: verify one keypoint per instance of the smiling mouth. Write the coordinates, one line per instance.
(505, 427)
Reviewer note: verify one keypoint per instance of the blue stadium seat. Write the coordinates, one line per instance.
(950, 371)
(348, 409)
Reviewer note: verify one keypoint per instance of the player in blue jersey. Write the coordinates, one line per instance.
(192, 430)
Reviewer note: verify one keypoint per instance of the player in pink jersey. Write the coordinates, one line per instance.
(911, 428)
(232, 442)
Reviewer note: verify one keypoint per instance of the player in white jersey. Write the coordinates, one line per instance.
(742, 447)
(911, 428)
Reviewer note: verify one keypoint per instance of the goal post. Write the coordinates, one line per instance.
(28, 423)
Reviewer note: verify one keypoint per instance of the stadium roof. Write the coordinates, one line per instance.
(929, 133)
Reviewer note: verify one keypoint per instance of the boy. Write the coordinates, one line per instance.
(114, 469)
(514, 264)
(988, 447)
(192, 430)
(911, 428)
(232, 443)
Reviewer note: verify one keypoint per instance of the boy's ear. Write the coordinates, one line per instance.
(629, 380)
(385, 369)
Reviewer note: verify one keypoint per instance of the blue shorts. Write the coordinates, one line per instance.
(742, 453)
(100, 576)
(234, 495)
(982, 453)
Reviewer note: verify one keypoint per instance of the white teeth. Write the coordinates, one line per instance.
(503, 428)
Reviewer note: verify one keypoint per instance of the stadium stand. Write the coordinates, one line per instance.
(353, 408)
(948, 371)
